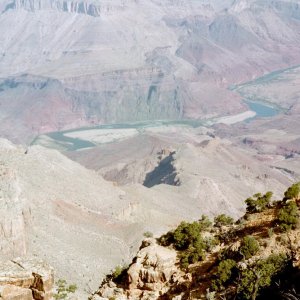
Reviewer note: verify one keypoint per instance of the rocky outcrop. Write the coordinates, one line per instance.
(165, 172)
(155, 273)
(28, 279)
(150, 275)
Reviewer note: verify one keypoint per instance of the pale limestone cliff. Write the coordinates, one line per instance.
(148, 277)
(26, 279)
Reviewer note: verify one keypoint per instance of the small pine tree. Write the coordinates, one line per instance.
(258, 202)
(224, 273)
(288, 216)
(249, 246)
(223, 220)
(260, 275)
(63, 290)
(292, 192)
(205, 222)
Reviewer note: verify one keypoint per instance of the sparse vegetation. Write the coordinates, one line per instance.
(249, 246)
(118, 273)
(223, 220)
(148, 234)
(224, 273)
(257, 274)
(231, 262)
(204, 222)
(292, 192)
(288, 216)
(260, 275)
(187, 239)
(258, 202)
(63, 289)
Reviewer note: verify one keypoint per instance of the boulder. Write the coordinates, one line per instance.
(154, 266)
(12, 292)
(26, 279)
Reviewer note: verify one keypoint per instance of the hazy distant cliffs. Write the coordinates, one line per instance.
(120, 61)
(34, 105)
(91, 8)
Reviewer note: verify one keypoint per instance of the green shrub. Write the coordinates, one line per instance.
(194, 253)
(187, 239)
(204, 222)
(63, 290)
(186, 234)
(224, 273)
(259, 276)
(292, 192)
(118, 273)
(249, 246)
(222, 220)
(148, 234)
(288, 216)
(258, 202)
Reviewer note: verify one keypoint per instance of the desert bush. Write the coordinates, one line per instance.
(222, 220)
(260, 275)
(258, 202)
(292, 192)
(118, 273)
(148, 234)
(195, 253)
(187, 239)
(186, 234)
(63, 289)
(223, 274)
(205, 223)
(249, 246)
(166, 239)
(288, 216)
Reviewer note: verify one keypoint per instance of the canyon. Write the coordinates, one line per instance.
(70, 64)
(128, 116)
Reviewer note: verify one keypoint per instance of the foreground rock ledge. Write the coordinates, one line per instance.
(149, 276)
(28, 279)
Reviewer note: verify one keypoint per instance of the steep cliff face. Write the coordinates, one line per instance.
(36, 223)
(52, 105)
(91, 8)
(12, 209)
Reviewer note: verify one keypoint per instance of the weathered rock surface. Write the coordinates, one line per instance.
(148, 276)
(26, 279)
(47, 199)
